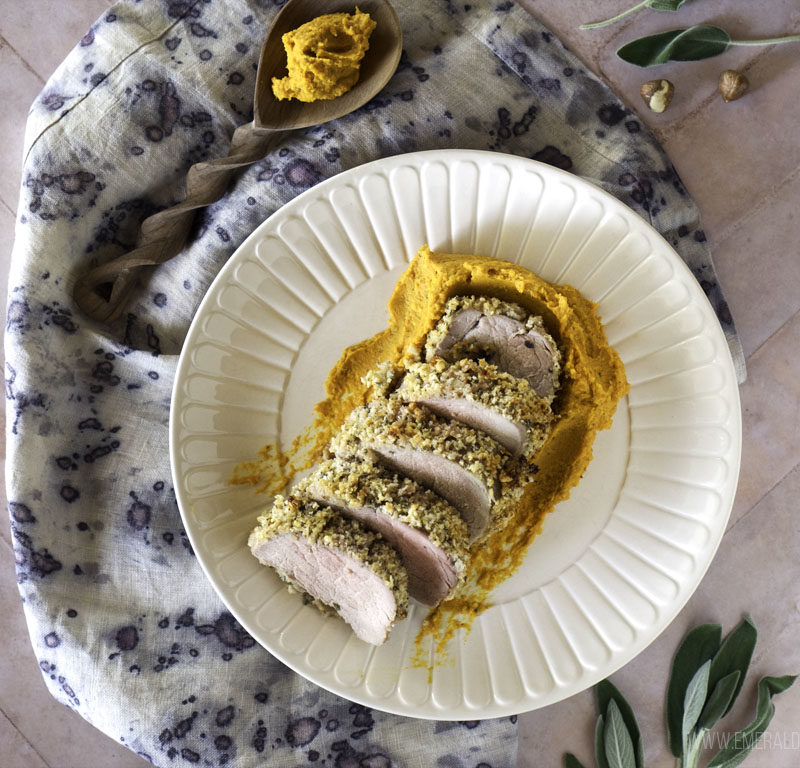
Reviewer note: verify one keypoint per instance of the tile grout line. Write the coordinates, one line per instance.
(733, 227)
(4, 41)
(22, 736)
(2, 711)
(22, 59)
(766, 493)
(7, 540)
(769, 338)
(697, 111)
(8, 208)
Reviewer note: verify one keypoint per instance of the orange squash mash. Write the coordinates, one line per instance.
(323, 56)
(592, 382)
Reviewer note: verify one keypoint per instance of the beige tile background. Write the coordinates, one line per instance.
(740, 161)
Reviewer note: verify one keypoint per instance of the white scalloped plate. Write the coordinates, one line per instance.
(615, 562)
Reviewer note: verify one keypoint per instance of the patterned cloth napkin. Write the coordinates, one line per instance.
(127, 630)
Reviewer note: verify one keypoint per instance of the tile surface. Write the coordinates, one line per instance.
(20, 87)
(747, 161)
(770, 411)
(740, 161)
(17, 750)
(754, 260)
(43, 32)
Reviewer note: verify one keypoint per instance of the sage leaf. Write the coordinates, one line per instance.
(619, 746)
(720, 700)
(666, 5)
(734, 654)
(600, 743)
(606, 692)
(694, 700)
(699, 645)
(742, 743)
(656, 5)
(570, 761)
(691, 44)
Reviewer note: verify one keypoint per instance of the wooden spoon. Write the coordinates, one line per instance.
(103, 291)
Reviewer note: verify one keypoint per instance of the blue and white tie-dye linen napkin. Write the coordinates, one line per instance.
(126, 629)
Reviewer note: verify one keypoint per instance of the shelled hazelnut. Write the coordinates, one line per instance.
(657, 94)
(732, 85)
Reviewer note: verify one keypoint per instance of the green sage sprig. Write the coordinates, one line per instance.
(617, 739)
(656, 5)
(702, 41)
(706, 677)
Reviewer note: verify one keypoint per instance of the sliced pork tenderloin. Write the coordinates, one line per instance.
(478, 394)
(425, 529)
(501, 333)
(337, 561)
(459, 463)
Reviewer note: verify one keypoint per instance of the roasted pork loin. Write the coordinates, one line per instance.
(435, 460)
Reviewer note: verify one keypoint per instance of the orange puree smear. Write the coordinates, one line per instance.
(273, 469)
(592, 382)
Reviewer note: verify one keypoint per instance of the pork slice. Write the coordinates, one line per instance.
(509, 433)
(457, 462)
(335, 560)
(460, 325)
(522, 348)
(427, 531)
(478, 394)
(525, 353)
(463, 489)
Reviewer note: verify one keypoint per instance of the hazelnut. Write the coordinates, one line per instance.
(657, 94)
(732, 85)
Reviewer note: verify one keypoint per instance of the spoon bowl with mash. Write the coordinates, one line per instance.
(103, 291)
(377, 66)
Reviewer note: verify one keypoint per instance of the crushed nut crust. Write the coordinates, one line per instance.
(486, 305)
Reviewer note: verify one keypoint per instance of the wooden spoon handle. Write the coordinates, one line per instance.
(102, 292)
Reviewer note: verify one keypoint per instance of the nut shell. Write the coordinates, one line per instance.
(657, 94)
(732, 85)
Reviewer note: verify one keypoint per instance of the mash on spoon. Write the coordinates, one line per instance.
(324, 56)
